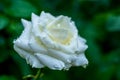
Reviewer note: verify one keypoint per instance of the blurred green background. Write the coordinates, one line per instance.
(98, 21)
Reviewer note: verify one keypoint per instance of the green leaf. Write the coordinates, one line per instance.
(15, 29)
(20, 8)
(3, 52)
(114, 56)
(105, 72)
(3, 21)
(52, 74)
(113, 23)
(24, 67)
(2, 41)
(4, 77)
(3, 55)
(118, 73)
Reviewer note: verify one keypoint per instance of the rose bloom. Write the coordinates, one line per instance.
(52, 42)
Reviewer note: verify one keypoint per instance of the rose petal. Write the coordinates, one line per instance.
(35, 24)
(60, 22)
(81, 47)
(46, 40)
(35, 19)
(23, 44)
(82, 39)
(60, 55)
(23, 40)
(51, 44)
(26, 33)
(73, 28)
(50, 62)
(81, 60)
(36, 45)
(30, 58)
(45, 18)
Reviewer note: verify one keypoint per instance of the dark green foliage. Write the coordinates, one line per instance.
(98, 21)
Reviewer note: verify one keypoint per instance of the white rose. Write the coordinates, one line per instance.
(52, 42)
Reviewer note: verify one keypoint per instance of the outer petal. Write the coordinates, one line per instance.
(39, 31)
(45, 18)
(26, 33)
(35, 24)
(73, 27)
(40, 23)
(21, 45)
(81, 46)
(30, 58)
(36, 45)
(23, 40)
(81, 60)
(50, 62)
(82, 39)
(66, 58)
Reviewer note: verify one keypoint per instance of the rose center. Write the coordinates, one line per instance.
(60, 35)
(60, 31)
